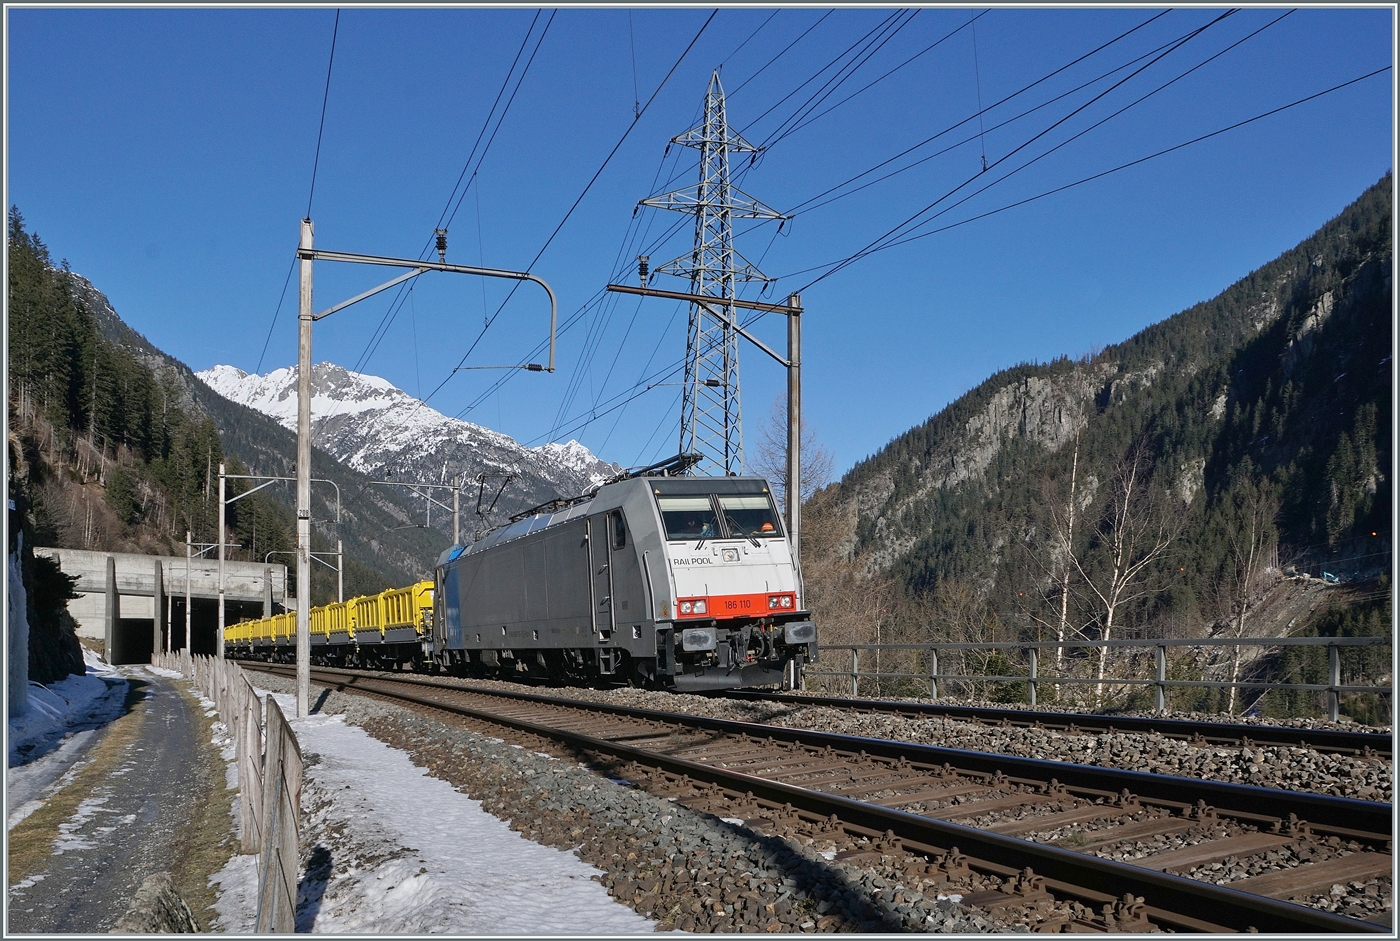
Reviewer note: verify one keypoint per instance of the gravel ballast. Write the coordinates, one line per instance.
(1290, 768)
(688, 870)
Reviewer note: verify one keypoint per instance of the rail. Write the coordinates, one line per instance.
(686, 750)
(1160, 682)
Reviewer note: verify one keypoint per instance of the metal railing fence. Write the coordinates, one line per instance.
(1159, 681)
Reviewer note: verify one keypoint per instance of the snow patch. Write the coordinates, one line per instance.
(46, 744)
(400, 852)
(69, 836)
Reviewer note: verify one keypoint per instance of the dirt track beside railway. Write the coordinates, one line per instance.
(150, 796)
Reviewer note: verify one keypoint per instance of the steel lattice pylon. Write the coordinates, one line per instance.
(711, 421)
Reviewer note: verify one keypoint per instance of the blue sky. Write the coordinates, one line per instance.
(167, 154)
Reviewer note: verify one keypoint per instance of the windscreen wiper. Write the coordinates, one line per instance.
(739, 529)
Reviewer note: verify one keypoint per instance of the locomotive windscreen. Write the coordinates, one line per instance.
(739, 515)
(688, 517)
(749, 515)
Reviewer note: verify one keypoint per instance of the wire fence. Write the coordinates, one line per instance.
(1119, 671)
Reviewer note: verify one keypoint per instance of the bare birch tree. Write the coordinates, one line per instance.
(1251, 549)
(1055, 558)
(769, 456)
(1133, 532)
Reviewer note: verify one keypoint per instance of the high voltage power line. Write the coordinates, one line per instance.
(1140, 160)
(559, 423)
(911, 220)
(910, 230)
(556, 231)
(609, 405)
(623, 398)
(591, 343)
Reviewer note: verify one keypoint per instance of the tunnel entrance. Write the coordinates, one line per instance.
(133, 641)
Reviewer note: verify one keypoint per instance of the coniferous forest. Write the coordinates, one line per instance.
(116, 447)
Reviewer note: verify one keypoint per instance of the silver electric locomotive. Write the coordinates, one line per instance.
(685, 583)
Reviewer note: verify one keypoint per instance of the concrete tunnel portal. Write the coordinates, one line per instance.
(133, 604)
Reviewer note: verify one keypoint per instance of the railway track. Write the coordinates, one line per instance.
(1231, 734)
(1019, 832)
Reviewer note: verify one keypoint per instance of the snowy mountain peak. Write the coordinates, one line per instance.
(372, 425)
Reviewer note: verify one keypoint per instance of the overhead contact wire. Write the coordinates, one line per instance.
(325, 98)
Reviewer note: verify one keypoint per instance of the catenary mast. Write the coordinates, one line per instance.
(710, 412)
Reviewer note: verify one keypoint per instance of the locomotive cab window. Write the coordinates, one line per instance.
(749, 515)
(688, 517)
(619, 529)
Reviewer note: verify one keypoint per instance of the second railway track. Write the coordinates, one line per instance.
(1195, 731)
(1087, 839)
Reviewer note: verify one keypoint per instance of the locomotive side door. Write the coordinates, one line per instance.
(601, 566)
(629, 602)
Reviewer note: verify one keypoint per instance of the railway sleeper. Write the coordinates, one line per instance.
(1114, 914)
(1122, 915)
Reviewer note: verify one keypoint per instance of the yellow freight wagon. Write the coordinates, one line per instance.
(384, 630)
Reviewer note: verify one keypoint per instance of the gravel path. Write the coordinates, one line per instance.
(130, 824)
(688, 870)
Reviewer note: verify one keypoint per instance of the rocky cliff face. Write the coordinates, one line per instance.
(943, 496)
(382, 431)
(1046, 411)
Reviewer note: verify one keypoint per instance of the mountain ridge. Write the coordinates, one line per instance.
(1276, 391)
(373, 427)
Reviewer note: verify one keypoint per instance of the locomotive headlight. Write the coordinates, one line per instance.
(785, 601)
(700, 606)
(685, 607)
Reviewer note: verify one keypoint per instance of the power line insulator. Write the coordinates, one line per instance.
(642, 268)
(441, 245)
